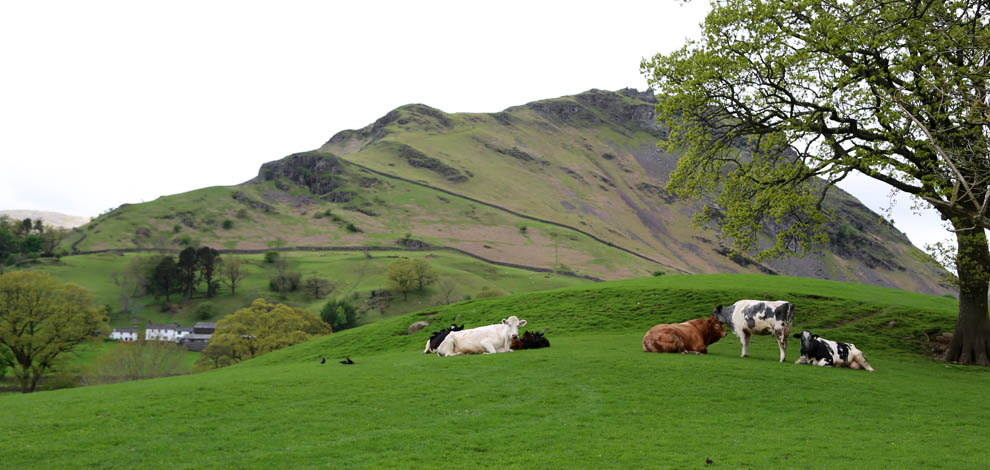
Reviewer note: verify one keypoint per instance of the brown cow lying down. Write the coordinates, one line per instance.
(690, 337)
(530, 340)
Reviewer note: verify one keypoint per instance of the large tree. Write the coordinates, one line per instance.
(40, 320)
(258, 329)
(778, 92)
(188, 268)
(232, 271)
(209, 260)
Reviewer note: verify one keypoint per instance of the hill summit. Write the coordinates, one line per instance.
(573, 184)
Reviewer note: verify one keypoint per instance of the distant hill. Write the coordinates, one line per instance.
(573, 184)
(55, 219)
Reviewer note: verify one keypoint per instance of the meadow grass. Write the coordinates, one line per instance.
(591, 400)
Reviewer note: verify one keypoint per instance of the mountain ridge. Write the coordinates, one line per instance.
(573, 183)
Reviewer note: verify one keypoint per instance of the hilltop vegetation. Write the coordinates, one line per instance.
(591, 399)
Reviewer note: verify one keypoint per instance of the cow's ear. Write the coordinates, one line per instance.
(522, 322)
(504, 322)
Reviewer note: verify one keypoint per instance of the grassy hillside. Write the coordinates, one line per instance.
(354, 273)
(573, 183)
(593, 399)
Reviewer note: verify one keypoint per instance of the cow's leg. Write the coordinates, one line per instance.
(860, 360)
(782, 343)
(745, 343)
(489, 347)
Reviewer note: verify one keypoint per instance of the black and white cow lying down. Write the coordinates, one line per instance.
(758, 317)
(818, 351)
(438, 336)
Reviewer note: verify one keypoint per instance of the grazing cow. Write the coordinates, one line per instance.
(438, 336)
(690, 337)
(818, 351)
(484, 339)
(758, 317)
(530, 340)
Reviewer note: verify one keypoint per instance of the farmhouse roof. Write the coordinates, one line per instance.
(156, 326)
(125, 330)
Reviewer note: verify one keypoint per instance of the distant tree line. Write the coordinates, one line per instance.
(27, 239)
(165, 275)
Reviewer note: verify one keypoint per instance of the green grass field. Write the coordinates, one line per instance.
(592, 400)
(354, 275)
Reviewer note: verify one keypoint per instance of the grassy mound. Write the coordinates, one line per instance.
(851, 312)
(591, 400)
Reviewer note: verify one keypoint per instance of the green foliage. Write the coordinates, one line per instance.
(401, 277)
(339, 314)
(176, 228)
(285, 282)
(41, 320)
(271, 256)
(205, 310)
(134, 361)
(350, 227)
(315, 288)
(227, 224)
(658, 273)
(208, 260)
(778, 94)
(258, 329)
(165, 278)
(489, 292)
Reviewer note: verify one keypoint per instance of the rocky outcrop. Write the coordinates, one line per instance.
(318, 171)
(418, 159)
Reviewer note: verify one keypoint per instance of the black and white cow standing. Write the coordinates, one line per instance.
(758, 317)
(818, 351)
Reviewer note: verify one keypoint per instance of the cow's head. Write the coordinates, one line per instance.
(723, 315)
(513, 323)
(806, 340)
(715, 329)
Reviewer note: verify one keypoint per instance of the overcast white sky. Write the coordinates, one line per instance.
(104, 103)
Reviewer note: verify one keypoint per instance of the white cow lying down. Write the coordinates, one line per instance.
(482, 340)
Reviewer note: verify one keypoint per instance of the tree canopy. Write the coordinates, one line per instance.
(780, 100)
(40, 320)
(258, 329)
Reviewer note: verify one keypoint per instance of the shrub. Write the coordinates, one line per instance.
(522, 229)
(316, 288)
(339, 314)
(487, 292)
(351, 228)
(658, 273)
(132, 361)
(176, 228)
(285, 282)
(205, 310)
(227, 224)
(271, 256)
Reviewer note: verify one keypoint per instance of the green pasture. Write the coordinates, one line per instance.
(592, 400)
(354, 274)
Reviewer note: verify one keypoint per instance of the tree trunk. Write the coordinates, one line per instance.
(971, 340)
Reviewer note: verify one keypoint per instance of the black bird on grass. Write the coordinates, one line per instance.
(347, 361)
(323, 360)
